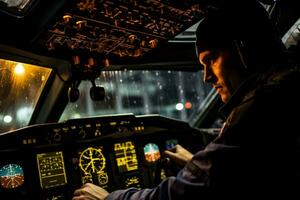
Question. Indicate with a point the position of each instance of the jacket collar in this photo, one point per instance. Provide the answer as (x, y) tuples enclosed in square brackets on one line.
[(239, 95)]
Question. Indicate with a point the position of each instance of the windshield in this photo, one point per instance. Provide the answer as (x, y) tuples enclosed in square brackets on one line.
[(174, 94), (20, 88)]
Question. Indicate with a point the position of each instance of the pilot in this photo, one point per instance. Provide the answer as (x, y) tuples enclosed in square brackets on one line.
[(256, 154)]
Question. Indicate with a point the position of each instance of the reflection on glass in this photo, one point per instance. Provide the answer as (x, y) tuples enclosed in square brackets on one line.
[(92, 164), (142, 92), (11, 176), (151, 152), (171, 143), (20, 88), (125, 156)]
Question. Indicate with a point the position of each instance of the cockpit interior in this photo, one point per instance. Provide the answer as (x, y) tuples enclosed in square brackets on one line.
[(96, 90)]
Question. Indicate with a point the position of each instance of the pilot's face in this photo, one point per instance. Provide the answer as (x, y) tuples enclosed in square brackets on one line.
[(223, 70)]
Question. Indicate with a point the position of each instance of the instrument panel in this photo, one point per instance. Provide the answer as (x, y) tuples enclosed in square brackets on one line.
[(50, 161)]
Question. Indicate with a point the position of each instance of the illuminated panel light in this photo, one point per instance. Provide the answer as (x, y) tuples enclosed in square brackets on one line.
[(126, 156), (11, 176), (51, 168), (163, 175), (179, 106), (139, 128), (151, 152), (133, 181), (171, 143), (92, 164)]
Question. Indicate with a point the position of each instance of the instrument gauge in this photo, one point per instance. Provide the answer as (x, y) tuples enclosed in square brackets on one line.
[(92, 160), (11, 176), (92, 163)]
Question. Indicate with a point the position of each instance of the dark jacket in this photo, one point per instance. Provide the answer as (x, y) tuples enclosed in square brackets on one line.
[(256, 154)]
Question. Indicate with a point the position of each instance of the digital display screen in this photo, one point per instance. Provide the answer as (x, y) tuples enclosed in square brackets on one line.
[(151, 152), (133, 181), (125, 156), (11, 176), (51, 169), (92, 164)]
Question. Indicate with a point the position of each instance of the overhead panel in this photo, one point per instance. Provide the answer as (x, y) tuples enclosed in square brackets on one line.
[(124, 28)]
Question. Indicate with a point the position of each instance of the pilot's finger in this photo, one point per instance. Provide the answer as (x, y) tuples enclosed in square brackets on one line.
[(175, 148), (87, 185), (77, 198), (78, 192), (170, 154), (178, 146)]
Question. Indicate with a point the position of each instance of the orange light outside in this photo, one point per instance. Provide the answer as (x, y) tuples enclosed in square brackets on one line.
[(188, 105)]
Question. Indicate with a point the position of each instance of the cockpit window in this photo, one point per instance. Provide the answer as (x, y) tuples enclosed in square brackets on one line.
[(15, 5), (175, 94), (20, 88)]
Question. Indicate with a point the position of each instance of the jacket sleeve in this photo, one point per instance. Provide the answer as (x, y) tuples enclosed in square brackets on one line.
[(193, 179)]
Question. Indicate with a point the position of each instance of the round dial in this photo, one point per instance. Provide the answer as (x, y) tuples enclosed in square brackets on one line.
[(92, 161), (151, 152), (11, 176), (103, 178)]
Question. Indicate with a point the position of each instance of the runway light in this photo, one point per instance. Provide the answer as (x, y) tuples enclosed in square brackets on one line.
[(7, 119), (188, 105), (23, 113), (179, 106)]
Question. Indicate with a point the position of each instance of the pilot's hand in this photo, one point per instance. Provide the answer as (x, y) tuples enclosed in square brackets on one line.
[(179, 155), (90, 191)]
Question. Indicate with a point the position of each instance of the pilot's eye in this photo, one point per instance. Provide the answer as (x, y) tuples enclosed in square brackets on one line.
[(209, 60)]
